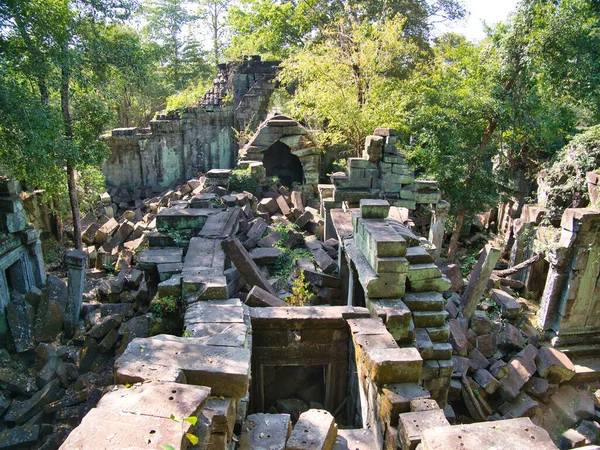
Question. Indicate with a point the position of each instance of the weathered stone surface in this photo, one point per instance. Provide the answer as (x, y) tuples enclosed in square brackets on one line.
[(20, 316), (570, 405), (221, 412), (411, 425), (354, 439), (554, 365), (129, 372), (486, 380), (20, 412), (457, 338), (19, 437), (479, 278), (396, 398), (315, 430), (265, 431), (224, 369), (264, 255), (244, 263), (513, 433), (261, 298), (511, 338), (522, 406), (508, 305), (102, 328), (156, 399), (393, 365), (374, 209), (396, 316)]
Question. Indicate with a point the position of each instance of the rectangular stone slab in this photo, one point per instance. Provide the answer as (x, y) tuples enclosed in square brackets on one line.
[(204, 252), (396, 398), (129, 372), (151, 257), (101, 431), (224, 369), (268, 431), (512, 433), (355, 439), (393, 365), (314, 316), (156, 399), (228, 334), (180, 219), (424, 301), (212, 312), (315, 430), (411, 425)]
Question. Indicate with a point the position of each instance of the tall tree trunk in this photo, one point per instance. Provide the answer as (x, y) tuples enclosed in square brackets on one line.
[(460, 220), (66, 114)]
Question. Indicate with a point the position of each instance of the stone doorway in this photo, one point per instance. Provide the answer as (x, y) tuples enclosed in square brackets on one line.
[(279, 162), (294, 384)]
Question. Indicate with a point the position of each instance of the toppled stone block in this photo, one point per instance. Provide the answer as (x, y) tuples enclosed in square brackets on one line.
[(396, 399), (411, 425), (20, 316), (265, 431), (554, 365), (260, 298), (315, 430), (508, 305), (393, 365)]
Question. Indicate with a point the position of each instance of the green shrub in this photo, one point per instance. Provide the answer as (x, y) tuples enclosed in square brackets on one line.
[(162, 306), (242, 180)]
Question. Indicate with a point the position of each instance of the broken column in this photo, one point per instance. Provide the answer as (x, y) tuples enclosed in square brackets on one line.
[(76, 263), (438, 223), (479, 278)]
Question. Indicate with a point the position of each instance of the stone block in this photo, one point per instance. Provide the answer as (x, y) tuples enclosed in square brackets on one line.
[(265, 255), (393, 365), (396, 397), (486, 380), (224, 369), (554, 365), (374, 209), (373, 150), (411, 425), (354, 439), (425, 319), (512, 433), (265, 431), (315, 430), (258, 297), (508, 305), (417, 272), (221, 412), (430, 284), (391, 265), (20, 316), (395, 314)]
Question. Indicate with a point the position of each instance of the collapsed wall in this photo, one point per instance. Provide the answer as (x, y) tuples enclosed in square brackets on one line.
[(177, 146)]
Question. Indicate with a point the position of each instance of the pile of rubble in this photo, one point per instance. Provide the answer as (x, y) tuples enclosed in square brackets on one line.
[(502, 371)]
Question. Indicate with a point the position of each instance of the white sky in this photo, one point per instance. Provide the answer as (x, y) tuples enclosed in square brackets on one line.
[(490, 11)]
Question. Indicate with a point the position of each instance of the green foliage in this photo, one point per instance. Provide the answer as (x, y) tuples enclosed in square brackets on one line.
[(180, 238), (242, 180), (301, 294), (187, 97), (109, 267), (467, 265), (285, 264), (162, 306), (53, 252), (565, 181), (352, 80)]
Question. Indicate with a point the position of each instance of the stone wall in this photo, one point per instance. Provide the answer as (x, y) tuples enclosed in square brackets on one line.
[(176, 147)]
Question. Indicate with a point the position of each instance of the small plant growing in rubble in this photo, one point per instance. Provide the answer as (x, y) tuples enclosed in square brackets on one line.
[(165, 305), (301, 293), (180, 239)]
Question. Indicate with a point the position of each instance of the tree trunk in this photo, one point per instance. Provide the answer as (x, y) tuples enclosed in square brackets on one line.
[(460, 219), (66, 114)]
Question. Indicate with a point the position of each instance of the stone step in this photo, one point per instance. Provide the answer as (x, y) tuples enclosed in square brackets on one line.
[(204, 253), (394, 313), (411, 425), (221, 225), (355, 439), (224, 369), (424, 301), (395, 399), (387, 285), (430, 284), (393, 365), (315, 430), (429, 319), (417, 272), (418, 255), (439, 334), (183, 219), (265, 431), (423, 343)]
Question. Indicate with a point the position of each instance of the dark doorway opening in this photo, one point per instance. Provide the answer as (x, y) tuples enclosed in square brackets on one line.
[(279, 162), (294, 389), (15, 278)]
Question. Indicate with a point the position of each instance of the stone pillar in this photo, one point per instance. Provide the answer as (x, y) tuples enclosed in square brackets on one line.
[(479, 279), (31, 240), (76, 264), (571, 301), (593, 180), (436, 231)]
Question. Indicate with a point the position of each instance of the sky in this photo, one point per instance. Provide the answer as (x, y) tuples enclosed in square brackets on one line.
[(490, 11)]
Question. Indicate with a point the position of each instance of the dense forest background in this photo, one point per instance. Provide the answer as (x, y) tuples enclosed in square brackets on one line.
[(481, 118)]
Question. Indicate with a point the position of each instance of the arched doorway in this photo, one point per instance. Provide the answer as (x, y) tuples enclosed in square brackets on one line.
[(279, 162)]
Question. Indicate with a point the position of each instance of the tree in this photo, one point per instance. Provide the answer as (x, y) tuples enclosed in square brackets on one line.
[(48, 44), (277, 29), (352, 80), (212, 13)]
